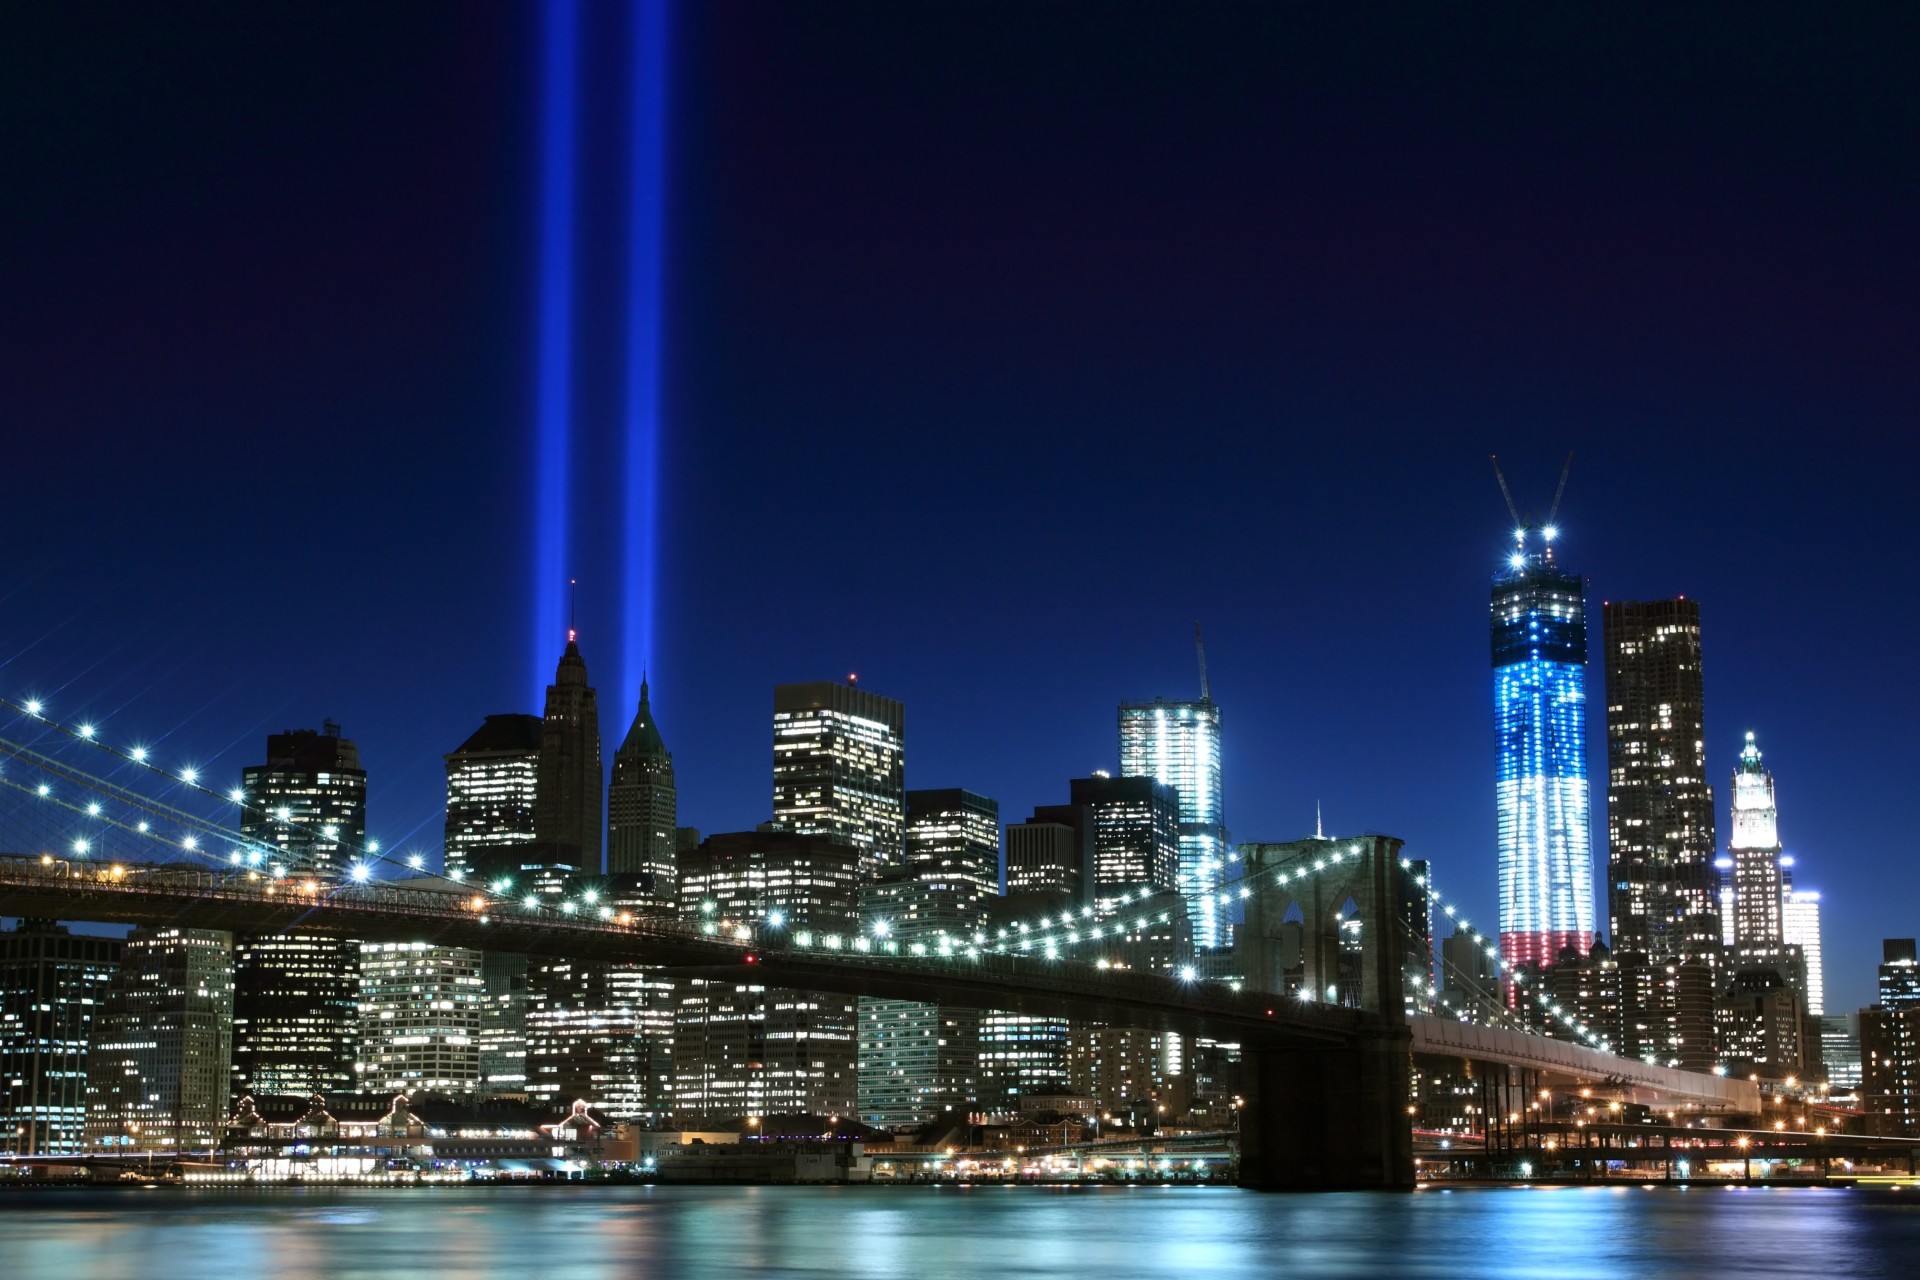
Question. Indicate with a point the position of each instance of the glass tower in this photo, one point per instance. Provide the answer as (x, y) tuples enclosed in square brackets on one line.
[(492, 781), (1539, 632), (839, 768), (1178, 743)]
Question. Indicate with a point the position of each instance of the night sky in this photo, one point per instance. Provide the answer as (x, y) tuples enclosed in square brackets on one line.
[(1002, 343)]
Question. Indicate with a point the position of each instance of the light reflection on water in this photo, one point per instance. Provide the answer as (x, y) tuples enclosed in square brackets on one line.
[(587, 1233)]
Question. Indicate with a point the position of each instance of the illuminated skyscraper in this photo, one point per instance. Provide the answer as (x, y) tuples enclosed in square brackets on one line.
[(642, 807), (839, 768), (51, 985), (1758, 890), (1660, 828), (1539, 633), (1800, 927), (1178, 743), (1137, 840), (742, 1049), (567, 810), (492, 780), (918, 1062), (296, 995), (162, 1055)]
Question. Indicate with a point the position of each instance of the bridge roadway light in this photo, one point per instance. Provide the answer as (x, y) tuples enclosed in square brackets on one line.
[(360, 873)]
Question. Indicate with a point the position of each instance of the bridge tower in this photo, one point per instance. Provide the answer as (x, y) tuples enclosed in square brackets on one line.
[(1322, 1116)]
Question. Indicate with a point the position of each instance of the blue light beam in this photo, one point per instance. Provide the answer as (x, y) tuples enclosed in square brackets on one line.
[(646, 236), (553, 444)]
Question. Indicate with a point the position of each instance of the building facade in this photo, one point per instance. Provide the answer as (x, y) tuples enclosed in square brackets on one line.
[(1178, 744), (1660, 819), (421, 1008), (1539, 646), (52, 985), (162, 1055), (642, 813), (839, 768), (1136, 837), (493, 779), (296, 996), (1759, 900)]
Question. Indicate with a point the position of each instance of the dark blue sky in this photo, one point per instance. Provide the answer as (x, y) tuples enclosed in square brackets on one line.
[(1003, 342)]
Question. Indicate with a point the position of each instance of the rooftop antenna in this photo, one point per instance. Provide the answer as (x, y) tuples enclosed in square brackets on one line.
[(1319, 827), (573, 608), (1200, 646), (1507, 493)]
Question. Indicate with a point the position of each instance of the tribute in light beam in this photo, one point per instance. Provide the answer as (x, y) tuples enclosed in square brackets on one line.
[(646, 232), (553, 444)]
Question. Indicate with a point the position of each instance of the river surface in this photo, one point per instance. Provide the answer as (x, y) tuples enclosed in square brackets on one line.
[(1080, 1233)]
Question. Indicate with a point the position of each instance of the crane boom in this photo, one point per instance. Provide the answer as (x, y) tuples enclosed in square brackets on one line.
[(1200, 646), (1555, 509), (1504, 491)]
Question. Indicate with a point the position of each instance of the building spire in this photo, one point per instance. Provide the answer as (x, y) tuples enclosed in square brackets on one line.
[(1319, 828), (1200, 646), (573, 609)]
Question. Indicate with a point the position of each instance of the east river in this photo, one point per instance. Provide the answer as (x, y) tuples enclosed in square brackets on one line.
[(1087, 1233)]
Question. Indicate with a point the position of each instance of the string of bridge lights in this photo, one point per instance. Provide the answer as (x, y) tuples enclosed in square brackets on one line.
[(361, 857), (1504, 969)]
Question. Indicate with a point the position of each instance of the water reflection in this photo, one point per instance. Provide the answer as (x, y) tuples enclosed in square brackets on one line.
[(581, 1233)]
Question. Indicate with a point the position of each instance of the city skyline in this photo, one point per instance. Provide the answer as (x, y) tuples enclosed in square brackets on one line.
[(1724, 335)]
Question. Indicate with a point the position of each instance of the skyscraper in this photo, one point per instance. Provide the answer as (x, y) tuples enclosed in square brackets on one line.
[(162, 1054), (1660, 821), (51, 986), (1539, 634), (567, 800), (839, 767), (743, 1049), (642, 809), (1051, 852), (1758, 890), (492, 781), (1178, 743), (296, 996), (1137, 845), (918, 1061), (1800, 927)]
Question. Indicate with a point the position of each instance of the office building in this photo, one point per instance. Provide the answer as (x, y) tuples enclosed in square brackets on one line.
[(296, 996), (1890, 1070), (567, 810), (741, 1049), (1539, 647), (503, 1024), (1051, 853), (1758, 888), (1136, 837), (421, 1008), (492, 781), (602, 1033), (162, 1054), (1800, 927), (919, 1062), (839, 768), (642, 810), (1660, 820), (52, 984), (1178, 744), (1899, 974)]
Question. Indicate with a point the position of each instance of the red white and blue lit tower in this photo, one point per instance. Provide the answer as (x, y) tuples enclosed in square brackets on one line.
[(1540, 709)]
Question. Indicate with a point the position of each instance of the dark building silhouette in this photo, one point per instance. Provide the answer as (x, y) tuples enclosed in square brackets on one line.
[(567, 803), (642, 809), (52, 983)]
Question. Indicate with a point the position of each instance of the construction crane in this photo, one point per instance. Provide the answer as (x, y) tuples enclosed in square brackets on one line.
[(1519, 525), (1200, 646)]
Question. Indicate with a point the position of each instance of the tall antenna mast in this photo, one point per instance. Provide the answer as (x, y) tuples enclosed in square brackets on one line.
[(1200, 646), (1506, 493)]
